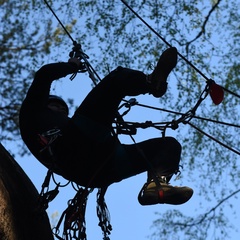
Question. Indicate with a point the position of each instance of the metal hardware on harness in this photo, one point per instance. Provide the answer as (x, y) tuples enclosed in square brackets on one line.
[(121, 126), (103, 214), (47, 196), (73, 218), (48, 137), (186, 118), (85, 66), (78, 53)]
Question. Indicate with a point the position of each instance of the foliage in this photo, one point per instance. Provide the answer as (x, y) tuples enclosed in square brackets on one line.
[(206, 34)]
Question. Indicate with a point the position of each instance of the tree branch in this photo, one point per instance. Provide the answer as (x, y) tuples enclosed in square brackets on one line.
[(204, 24), (204, 217)]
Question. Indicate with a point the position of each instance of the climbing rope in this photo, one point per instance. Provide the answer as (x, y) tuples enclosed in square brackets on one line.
[(168, 44), (185, 119)]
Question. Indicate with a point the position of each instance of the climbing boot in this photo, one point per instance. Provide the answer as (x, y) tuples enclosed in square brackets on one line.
[(162, 192), (158, 78)]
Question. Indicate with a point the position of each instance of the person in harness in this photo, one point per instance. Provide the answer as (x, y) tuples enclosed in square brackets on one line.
[(84, 149)]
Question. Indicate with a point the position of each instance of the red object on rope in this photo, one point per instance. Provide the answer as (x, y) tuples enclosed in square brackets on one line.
[(216, 93)]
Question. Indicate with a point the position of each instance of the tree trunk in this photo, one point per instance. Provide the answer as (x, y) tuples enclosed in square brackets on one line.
[(20, 218)]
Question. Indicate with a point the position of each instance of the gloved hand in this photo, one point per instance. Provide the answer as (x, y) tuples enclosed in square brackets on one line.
[(76, 62)]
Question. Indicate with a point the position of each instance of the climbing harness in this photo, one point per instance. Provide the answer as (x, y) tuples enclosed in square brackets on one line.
[(73, 218), (48, 137)]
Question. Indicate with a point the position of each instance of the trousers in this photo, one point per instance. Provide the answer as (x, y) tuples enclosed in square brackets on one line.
[(114, 161)]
